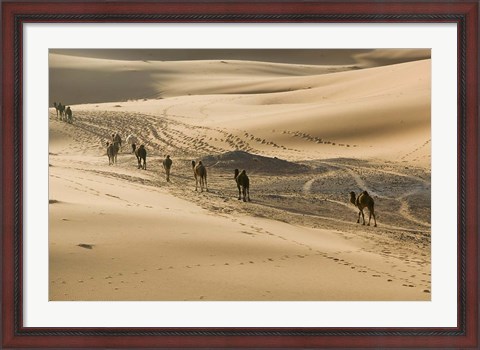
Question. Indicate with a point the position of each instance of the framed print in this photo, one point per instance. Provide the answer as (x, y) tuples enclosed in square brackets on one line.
[(240, 174)]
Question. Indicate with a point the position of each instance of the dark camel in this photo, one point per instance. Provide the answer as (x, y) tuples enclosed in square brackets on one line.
[(60, 109), (68, 115), (364, 201), (167, 164), (141, 154), (243, 183)]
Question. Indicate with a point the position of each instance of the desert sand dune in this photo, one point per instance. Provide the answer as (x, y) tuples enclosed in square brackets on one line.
[(384, 57), (307, 136), (157, 79), (385, 111)]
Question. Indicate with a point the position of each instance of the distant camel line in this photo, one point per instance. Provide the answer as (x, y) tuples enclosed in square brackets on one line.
[(364, 200)]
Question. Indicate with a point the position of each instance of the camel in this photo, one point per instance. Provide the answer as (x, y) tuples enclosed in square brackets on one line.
[(68, 115), (116, 138), (200, 174), (112, 151), (167, 164), (364, 200), (141, 153), (59, 108), (243, 182)]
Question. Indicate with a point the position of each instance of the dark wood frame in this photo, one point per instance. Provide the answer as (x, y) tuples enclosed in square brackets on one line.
[(462, 12)]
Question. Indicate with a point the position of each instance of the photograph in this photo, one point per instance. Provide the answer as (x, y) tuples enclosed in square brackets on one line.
[(270, 174), (239, 174)]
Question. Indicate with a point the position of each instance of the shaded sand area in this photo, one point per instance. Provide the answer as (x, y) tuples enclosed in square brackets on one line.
[(307, 136)]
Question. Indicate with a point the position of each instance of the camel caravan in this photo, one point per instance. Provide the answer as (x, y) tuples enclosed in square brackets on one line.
[(362, 201), (64, 113), (116, 146)]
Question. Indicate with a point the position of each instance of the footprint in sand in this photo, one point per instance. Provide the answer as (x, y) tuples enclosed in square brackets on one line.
[(248, 233), (86, 246)]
